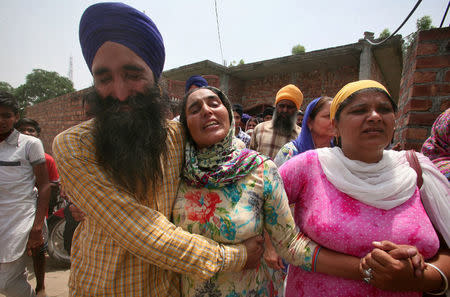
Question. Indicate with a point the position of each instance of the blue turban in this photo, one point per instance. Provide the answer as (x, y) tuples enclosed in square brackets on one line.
[(195, 80), (304, 141), (245, 118), (120, 23)]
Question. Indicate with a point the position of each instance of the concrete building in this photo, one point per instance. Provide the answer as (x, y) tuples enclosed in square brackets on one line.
[(420, 82)]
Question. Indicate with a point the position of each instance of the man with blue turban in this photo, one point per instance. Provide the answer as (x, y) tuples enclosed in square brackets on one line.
[(122, 169), (195, 81)]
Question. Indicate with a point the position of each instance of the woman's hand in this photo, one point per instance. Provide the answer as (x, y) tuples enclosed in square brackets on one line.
[(402, 252), (270, 255), (392, 267), (272, 259)]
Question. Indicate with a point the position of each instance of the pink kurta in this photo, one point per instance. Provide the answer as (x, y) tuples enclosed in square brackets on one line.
[(341, 223)]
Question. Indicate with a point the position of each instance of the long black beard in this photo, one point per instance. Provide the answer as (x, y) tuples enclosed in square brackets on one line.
[(130, 139), (284, 125)]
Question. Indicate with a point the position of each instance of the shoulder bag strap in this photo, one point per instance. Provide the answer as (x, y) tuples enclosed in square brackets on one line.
[(414, 163)]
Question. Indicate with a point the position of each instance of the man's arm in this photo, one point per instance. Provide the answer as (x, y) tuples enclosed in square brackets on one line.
[(140, 230), (253, 143), (35, 239)]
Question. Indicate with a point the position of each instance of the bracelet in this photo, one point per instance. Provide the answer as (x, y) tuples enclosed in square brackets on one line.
[(314, 259), (222, 254), (444, 278)]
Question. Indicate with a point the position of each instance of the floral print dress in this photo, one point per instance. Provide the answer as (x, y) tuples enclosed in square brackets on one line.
[(285, 153), (234, 213)]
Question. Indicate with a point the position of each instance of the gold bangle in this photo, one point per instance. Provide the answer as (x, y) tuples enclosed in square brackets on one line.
[(443, 277)]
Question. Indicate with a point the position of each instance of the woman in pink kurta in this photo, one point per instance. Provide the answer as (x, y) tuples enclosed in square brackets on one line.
[(346, 198), (335, 220)]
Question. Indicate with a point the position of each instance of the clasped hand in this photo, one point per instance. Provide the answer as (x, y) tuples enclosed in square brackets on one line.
[(392, 267)]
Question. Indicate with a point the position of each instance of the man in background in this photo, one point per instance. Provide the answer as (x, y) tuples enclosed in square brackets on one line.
[(193, 82), (269, 136), (267, 113), (300, 116), (31, 127), (22, 209), (237, 114)]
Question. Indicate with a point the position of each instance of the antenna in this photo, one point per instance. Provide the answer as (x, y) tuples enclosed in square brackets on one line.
[(70, 73)]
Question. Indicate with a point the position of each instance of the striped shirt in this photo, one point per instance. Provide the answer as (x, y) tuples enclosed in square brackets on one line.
[(267, 141), (244, 137), (126, 247)]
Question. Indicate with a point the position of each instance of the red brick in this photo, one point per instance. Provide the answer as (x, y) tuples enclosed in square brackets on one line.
[(416, 133), (447, 76), (433, 62), (435, 34), (443, 89), (422, 118), (431, 90), (423, 90), (423, 77), (444, 105), (418, 105), (427, 49)]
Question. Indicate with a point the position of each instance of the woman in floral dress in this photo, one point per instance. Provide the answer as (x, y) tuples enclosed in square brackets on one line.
[(437, 146), (229, 195)]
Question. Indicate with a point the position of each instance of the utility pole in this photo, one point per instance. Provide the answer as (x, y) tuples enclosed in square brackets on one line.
[(70, 73)]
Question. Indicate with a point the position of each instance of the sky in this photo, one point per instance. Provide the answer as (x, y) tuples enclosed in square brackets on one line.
[(44, 34)]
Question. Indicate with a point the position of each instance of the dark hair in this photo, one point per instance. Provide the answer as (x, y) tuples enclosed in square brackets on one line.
[(352, 97), (28, 122), (216, 91), (88, 102), (319, 106), (252, 119), (300, 113), (239, 109), (174, 106), (8, 100), (130, 145), (268, 111)]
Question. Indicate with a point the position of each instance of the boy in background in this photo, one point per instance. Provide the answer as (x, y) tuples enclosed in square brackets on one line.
[(22, 212)]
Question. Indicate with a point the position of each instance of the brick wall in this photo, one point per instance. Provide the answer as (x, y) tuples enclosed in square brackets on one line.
[(175, 88), (375, 72), (425, 87), (58, 114), (312, 84), (236, 90), (424, 90)]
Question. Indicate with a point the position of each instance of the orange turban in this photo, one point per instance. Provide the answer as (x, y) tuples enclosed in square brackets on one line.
[(291, 93)]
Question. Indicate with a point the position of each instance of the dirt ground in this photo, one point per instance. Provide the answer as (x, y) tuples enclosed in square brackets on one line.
[(56, 278)]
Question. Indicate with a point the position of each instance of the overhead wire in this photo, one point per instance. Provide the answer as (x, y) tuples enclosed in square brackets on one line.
[(445, 14), (407, 18), (218, 31)]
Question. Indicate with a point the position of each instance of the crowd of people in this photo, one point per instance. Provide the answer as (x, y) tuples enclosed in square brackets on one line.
[(202, 199)]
